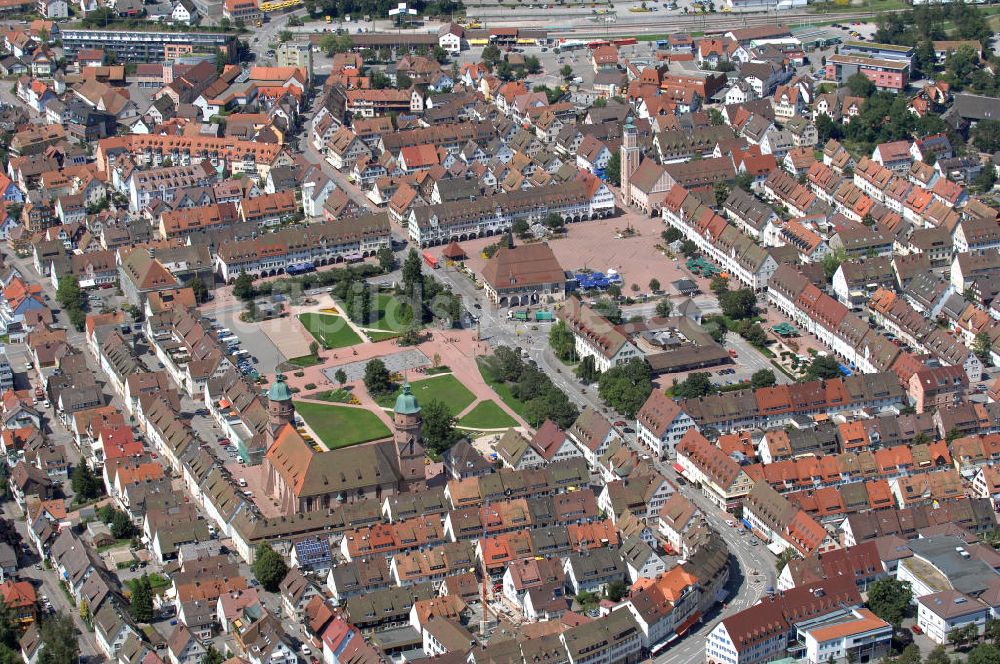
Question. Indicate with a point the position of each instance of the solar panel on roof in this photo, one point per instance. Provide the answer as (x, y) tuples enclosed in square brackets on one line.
[(312, 550)]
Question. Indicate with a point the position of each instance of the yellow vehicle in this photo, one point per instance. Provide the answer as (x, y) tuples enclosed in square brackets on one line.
[(329, 20), (260, 24), (475, 23)]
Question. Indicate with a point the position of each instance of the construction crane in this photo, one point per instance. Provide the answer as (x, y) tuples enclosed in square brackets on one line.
[(486, 616)]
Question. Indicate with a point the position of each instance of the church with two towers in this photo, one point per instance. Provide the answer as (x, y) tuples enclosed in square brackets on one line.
[(304, 480)]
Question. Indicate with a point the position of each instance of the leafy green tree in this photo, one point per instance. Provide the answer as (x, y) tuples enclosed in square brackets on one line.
[(200, 291), (616, 590), (697, 384), (60, 643), (562, 341), (889, 599), (520, 227), (141, 602), (762, 378), (377, 378), (412, 276), (566, 72), (715, 117), (984, 653), (910, 655), (121, 526), (986, 135), (826, 128), (333, 43), (587, 370), (212, 656), (719, 284), (439, 54), (491, 56), (738, 304), (938, 656), (860, 86), (243, 287), (689, 248), (285, 36), (654, 285), (755, 334), (613, 169), (985, 180), (86, 485), (981, 347), (341, 377), (386, 259), (403, 81), (10, 633), (671, 235), (831, 263), (269, 568), (626, 387), (663, 308), (361, 303), (744, 180), (69, 294), (823, 367), (721, 192), (438, 427), (785, 557)]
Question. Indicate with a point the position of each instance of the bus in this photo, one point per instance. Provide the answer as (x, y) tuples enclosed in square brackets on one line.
[(625, 41), (598, 43), (430, 260), (300, 268)]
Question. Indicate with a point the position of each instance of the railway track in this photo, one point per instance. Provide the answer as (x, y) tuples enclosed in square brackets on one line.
[(707, 23)]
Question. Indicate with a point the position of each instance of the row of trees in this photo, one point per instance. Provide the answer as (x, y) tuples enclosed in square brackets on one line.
[(73, 300), (699, 384), (542, 399), (626, 387), (426, 294)]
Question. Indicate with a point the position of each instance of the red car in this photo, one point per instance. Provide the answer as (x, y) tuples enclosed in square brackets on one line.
[(620, 423), (916, 629)]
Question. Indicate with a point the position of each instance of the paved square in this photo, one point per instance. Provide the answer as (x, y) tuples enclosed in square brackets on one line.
[(406, 360)]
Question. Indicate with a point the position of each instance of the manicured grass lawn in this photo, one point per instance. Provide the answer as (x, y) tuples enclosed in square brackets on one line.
[(487, 415), (391, 314), (502, 390), (329, 330), (446, 389), (341, 426), (380, 336)]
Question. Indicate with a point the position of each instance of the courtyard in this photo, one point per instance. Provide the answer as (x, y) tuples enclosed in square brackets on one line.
[(341, 426)]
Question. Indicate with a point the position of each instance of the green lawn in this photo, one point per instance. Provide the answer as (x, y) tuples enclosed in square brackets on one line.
[(502, 390), (341, 426), (446, 389), (390, 313), (487, 415), (329, 330)]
